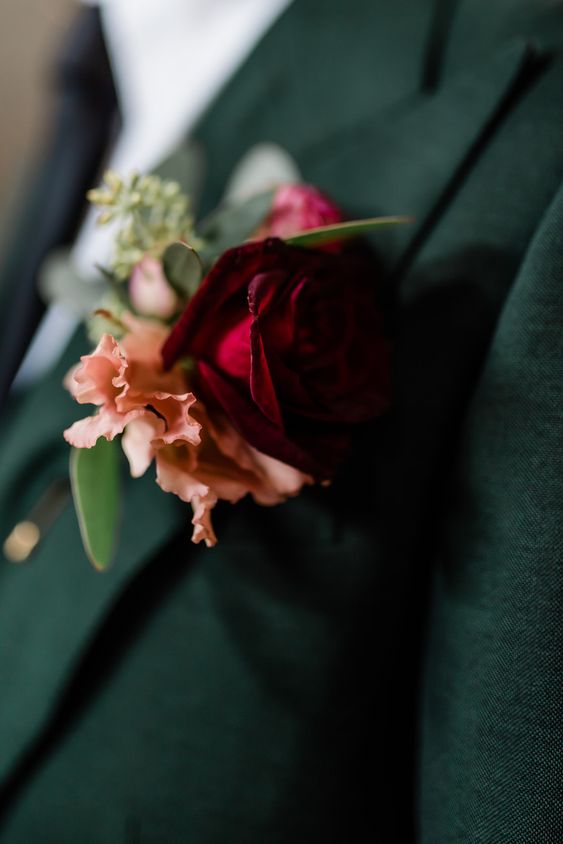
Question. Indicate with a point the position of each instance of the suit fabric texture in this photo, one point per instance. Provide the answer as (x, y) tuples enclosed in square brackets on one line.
[(380, 659)]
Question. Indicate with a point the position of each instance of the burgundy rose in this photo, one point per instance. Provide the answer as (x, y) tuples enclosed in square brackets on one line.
[(289, 343)]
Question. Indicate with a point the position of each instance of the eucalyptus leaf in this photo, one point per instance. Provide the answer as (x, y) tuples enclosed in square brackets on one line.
[(183, 268), (342, 231), (264, 166), (94, 478), (233, 223), (60, 283)]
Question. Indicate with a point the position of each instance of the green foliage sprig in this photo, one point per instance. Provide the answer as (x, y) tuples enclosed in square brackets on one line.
[(150, 213)]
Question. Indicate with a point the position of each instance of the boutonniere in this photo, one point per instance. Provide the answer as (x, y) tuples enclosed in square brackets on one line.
[(236, 355)]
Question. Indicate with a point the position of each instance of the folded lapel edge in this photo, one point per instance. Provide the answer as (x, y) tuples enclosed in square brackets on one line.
[(507, 77)]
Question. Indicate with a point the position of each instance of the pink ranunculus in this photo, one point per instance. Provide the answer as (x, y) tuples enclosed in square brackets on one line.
[(297, 208), (149, 290)]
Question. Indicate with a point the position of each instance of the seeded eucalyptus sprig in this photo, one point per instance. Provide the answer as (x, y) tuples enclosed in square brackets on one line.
[(150, 213)]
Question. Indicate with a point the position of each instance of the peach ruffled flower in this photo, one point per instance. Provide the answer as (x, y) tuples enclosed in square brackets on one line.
[(126, 381), (223, 466), (198, 458)]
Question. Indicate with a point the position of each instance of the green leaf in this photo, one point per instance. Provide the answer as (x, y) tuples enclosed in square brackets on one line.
[(183, 268), (59, 282), (94, 478), (233, 223), (342, 231), (262, 167)]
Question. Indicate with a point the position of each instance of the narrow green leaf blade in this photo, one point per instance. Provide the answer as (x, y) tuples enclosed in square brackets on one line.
[(182, 267), (94, 478), (342, 231)]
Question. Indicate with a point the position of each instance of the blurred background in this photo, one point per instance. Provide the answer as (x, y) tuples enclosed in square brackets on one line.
[(30, 33)]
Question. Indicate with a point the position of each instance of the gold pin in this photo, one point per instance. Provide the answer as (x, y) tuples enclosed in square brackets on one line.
[(26, 535), (21, 542)]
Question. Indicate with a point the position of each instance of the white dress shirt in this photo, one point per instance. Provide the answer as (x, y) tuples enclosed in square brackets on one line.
[(170, 59)]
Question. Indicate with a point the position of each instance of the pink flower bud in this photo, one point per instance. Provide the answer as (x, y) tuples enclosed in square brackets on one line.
[(297, 208), (149, 290)]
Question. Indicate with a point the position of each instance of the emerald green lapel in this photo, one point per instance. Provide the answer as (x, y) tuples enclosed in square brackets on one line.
[(491, 716), (51, 605), (412, 158), (450, 273), (297, 89)]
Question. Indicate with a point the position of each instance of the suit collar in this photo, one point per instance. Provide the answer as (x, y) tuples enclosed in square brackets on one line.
[(413, 157), (298, 87)]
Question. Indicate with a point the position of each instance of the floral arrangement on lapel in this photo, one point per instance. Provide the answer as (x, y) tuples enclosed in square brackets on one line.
[(238, 355)]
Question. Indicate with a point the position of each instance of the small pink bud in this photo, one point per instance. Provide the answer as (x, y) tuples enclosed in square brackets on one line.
[(298, 207), (149, 290)]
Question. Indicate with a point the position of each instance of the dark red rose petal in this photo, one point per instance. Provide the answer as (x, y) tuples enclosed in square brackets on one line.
[(289, 344)]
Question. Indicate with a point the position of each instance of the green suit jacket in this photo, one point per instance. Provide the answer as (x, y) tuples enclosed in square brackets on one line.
[(380, 659)]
